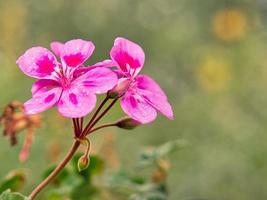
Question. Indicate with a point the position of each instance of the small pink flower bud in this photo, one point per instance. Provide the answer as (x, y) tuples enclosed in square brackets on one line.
[(119, 89), (127, 123), (83, 163)]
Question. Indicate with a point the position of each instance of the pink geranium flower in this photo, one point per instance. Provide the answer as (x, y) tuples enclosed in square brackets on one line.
[(58, 83), (142, 96)]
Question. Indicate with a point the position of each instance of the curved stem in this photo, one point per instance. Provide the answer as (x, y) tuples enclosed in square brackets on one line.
[(58, 169), (103, 126)]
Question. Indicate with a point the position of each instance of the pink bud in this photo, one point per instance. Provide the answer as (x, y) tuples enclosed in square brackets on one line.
[(120, 88)]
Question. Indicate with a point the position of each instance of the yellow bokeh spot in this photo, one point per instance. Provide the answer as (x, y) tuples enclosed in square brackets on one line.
[(229, 24), (213, 74), (12, 25)]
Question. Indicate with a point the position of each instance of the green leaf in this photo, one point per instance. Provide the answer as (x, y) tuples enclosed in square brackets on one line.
[(8, 195), (62, 176), (14, 181)]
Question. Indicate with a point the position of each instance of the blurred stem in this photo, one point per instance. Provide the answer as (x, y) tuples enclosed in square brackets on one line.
[(58, 169)]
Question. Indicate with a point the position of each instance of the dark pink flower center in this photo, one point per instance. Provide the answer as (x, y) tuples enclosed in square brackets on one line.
[(46, 65), (73, 60)]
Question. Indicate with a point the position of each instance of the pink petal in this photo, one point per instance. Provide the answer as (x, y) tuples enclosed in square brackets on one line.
[(42, 101), (37, 62), (129, 56), (137, 108), (97, 80), (82, 70), (57, 47), (43, 85), (105, 63), (154, 95), (76, 52), (75, 103)]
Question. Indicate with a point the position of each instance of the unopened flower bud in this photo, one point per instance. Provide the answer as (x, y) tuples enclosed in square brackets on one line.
[(119, 89), (127, 123), (83, 163)]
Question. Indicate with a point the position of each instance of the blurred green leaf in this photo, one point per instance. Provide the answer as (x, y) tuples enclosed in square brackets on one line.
[(60, 177), (14, 181), (151, 156), (8, 195)]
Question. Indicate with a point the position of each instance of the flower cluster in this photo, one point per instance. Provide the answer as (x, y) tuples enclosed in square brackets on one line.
[(69, 85)]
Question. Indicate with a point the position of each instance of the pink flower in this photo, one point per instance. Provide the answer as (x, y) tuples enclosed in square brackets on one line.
[(142, 96), (58, 83)]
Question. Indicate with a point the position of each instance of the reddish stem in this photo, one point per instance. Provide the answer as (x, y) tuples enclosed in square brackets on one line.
[(58, 169), (86, 132), (87, 128), (103, 126)]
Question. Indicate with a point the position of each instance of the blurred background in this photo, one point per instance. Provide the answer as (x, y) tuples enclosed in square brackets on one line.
[(210, 58)]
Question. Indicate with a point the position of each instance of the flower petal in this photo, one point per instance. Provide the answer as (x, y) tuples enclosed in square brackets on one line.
[(43, 101), (82, 70), (75, 103), (37, 62), (76, 52), (137, 108), (97, 80), (43, 85), (129, 56), (154, 95), (105, 63), (57, 47)]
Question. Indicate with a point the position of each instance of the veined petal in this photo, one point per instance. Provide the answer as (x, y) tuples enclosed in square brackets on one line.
[(76, 103), (129, 56), (105, 63), (43, 85), (76, 52), (97, 80), (57, 47), (137, 108), (154, 95), (43, 101), (37, 62)]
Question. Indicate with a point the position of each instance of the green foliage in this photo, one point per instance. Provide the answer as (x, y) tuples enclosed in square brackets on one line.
[(152, 155), (14, 181), (119, 184), (8, 195)]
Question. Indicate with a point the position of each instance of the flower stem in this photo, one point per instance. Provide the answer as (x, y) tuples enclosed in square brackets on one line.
[(103, 126), (58, 169), (87, 128), (91, 125), (76, 127)]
